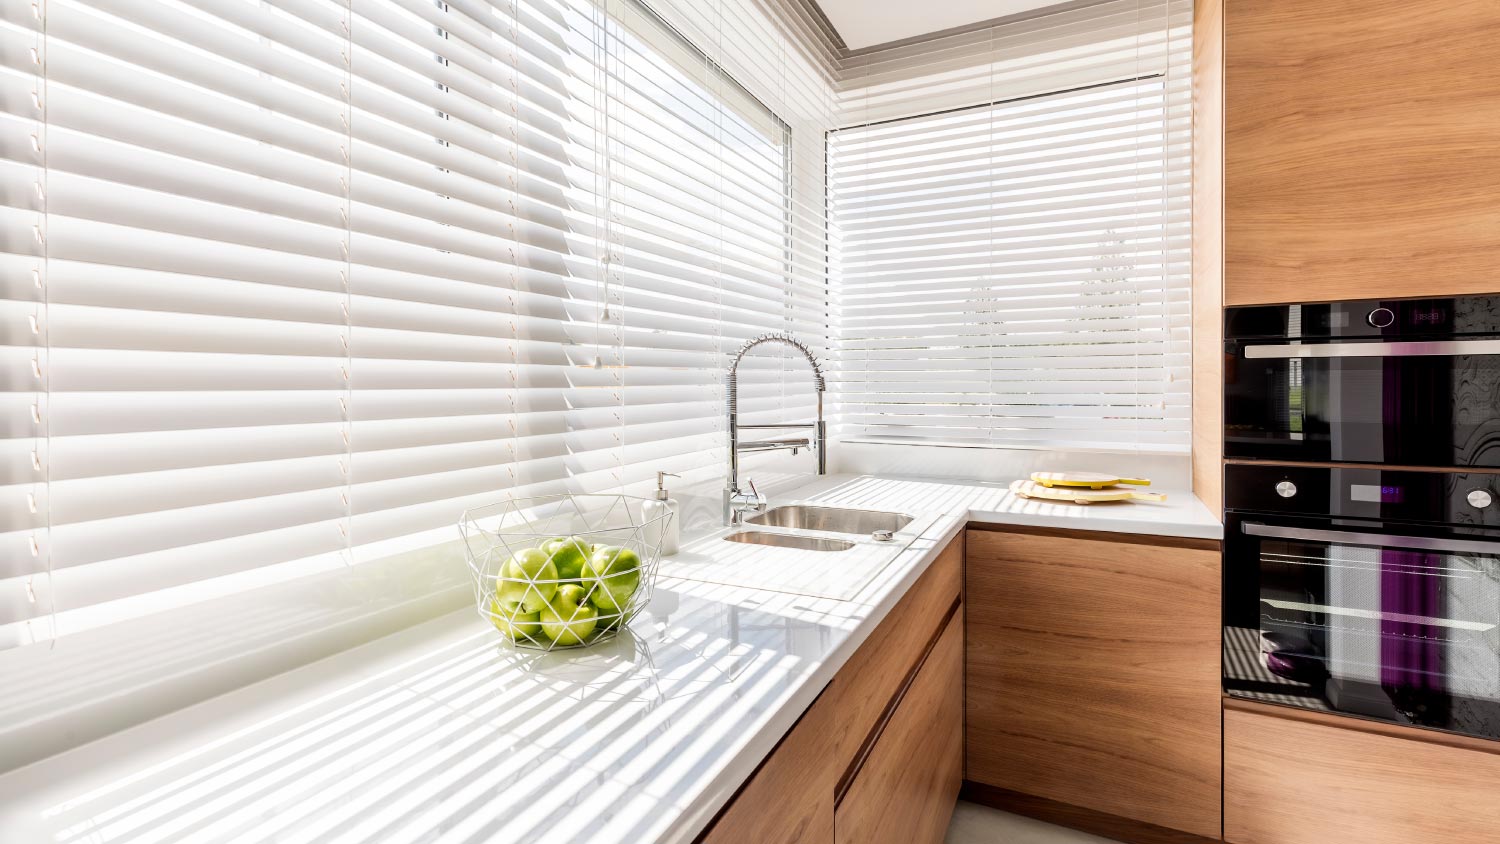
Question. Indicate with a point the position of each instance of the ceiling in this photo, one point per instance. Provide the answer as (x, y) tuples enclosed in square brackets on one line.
[(864, 23)]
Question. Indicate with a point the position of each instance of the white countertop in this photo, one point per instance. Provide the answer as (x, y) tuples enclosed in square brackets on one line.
[(1181, 515), (440, 733)]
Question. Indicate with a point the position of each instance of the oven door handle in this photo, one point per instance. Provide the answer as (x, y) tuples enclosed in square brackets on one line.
[(1415, 348), (1416, 543)]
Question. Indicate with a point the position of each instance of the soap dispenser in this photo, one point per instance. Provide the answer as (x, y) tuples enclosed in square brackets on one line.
[(666, 532)]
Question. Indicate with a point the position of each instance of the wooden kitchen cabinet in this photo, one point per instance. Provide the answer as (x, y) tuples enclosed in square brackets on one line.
[(1093, 674), (1305, 778), (905, 789), (789, 800), (888, 695), (1360, 149), (866, 684)]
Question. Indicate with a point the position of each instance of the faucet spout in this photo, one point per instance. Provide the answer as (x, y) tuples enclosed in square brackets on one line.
[(737, 503)]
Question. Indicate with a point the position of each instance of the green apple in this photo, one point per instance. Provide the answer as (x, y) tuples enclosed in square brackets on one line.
[(610, 619), (515, 622), (567, 620), (528, 578), (568, 553), (615, 574)]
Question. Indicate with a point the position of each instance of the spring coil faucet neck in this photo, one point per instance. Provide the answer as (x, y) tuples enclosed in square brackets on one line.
[(737, 503)]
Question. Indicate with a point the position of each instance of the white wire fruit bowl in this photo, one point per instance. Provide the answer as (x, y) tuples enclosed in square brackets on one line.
[(562, 571)]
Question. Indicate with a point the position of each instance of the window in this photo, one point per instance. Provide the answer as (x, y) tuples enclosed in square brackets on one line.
[(1015, 273), (287, 288)]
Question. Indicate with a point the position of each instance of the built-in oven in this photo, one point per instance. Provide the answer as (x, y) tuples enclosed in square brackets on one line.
[(1366, 592), (1401, 383)]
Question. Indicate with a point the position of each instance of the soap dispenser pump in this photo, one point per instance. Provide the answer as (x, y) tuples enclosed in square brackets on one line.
[(667, 531)]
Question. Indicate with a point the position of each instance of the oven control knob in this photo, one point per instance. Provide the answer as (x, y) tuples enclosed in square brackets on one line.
[(1381, 318), (1286, 489), (1480, 498)]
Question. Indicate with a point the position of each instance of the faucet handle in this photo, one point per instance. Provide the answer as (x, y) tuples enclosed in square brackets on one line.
[(737, 504)]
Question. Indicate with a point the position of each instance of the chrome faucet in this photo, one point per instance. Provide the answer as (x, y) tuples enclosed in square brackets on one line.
[(736, 502)]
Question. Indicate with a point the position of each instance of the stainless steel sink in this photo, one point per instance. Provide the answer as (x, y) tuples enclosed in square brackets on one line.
[(781, 540), (834, 519)]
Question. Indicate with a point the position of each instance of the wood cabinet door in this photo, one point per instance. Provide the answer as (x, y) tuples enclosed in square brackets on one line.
[(1361, 153), (908, 785), (789, 800), (1292, 780), (866, 684), (1093, 674)]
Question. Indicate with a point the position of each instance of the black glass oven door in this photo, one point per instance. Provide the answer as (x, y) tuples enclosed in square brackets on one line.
[(1365, 619), (1421, 403)]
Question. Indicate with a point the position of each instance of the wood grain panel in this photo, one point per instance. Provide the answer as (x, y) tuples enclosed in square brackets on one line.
[(1093, 675), (876, 672), (1208, 253), (789, 799), (1291, 781), (1360, 150), (1364, 725), (906, 789)]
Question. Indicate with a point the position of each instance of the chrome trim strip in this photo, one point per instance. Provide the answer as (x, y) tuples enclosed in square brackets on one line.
[(1375, 615), (1419, 543), (1407, 349)]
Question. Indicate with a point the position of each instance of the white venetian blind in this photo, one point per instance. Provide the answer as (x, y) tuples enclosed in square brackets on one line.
[(700, 227), (286, 282), (1013, 269)]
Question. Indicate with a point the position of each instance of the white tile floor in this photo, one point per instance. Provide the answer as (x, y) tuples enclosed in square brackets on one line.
[(974, 824)]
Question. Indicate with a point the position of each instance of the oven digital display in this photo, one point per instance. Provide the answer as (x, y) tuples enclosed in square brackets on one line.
[(1376, 494)]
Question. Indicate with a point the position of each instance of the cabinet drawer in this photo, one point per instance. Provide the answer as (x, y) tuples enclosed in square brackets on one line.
[(905, 791), (865, 685), (1292, 780)]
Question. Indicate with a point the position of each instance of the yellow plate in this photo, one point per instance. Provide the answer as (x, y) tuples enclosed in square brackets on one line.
[(1031, 489), (1092, 480)]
